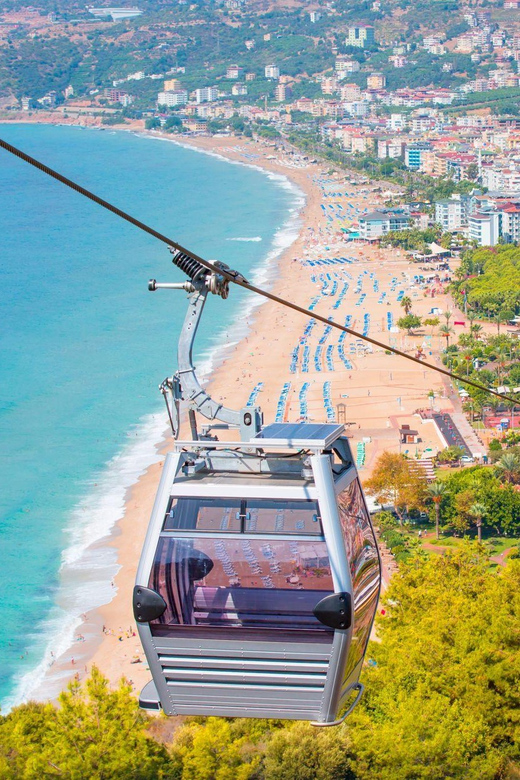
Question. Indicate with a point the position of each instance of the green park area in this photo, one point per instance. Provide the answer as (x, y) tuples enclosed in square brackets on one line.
[(479, 503)]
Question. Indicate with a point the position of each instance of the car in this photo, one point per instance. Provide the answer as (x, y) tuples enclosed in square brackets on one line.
[(467, 459)]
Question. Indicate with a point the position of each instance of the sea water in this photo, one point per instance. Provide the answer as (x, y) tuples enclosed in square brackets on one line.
[(83, 346)]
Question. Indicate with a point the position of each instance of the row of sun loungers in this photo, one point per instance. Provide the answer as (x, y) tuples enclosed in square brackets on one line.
[(341, 351), (254, 394), (342, 294), (303, 400), (282, 402), (329, 409)]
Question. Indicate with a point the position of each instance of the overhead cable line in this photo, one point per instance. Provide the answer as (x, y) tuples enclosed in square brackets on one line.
[(237, 278)]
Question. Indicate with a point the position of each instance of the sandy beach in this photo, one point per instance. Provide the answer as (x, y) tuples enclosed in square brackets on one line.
[(377, 392)]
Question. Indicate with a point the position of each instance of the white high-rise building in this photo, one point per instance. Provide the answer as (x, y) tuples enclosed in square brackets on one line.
[(206, 94), (177, 97), (272, 72)]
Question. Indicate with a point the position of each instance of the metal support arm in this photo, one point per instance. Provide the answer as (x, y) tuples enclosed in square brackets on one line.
[(191, 390), (184, 385)]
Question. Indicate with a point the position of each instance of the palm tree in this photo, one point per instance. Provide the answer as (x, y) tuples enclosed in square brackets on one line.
[(501, 357), (406, 303), (476, 330), (478, 511), (447, 316), (509, 466), (446, 331), (468, 357), (436, 491), (500, 317)]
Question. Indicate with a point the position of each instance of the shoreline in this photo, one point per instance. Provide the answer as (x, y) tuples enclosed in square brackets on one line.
[(110, 639)]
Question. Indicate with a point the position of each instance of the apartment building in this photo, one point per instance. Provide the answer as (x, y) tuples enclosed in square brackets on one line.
[(172, 85), (376, 224), (376, 81), (414, 154), (484, 228), (344, 66), (349, 92), (234, 72), (206, 94), (453, 213), (360, 36), (176, 97), (272, 72), (329, 86), (389, 147)]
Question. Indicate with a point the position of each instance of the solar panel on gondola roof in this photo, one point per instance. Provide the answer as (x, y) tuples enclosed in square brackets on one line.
[(320, 435)]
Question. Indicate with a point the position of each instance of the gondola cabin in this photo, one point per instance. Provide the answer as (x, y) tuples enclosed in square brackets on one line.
[(259, 578)]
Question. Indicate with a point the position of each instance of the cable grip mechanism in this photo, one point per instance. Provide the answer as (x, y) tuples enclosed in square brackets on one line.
[(216, 283)]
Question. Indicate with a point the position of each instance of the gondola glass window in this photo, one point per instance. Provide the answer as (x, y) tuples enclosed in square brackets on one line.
[(214, 580), (363, 556), (241, 516)]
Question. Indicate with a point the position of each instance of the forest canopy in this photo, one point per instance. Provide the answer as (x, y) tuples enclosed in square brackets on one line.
[(491, 279), (442, 701)]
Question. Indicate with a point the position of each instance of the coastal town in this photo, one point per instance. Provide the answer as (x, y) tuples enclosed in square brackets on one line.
[(353, 110), (399, 140)]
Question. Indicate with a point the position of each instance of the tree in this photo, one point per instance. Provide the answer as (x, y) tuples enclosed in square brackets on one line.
[(489, 280), (95, 733), (436, 491), (173, 124), (450, 454), (464, 500), (508, 467), (432, 322), (504, 315), (307, 753), (442, 694), (220, 749), (478, 510), (446, 332), (406, 303), (445, 241), (472, 171), (395, 481), (480, 484), (447, 316), (152, 124), (409, 322)]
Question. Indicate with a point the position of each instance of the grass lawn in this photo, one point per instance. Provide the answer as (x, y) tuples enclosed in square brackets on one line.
[(497, 544), (494, 545)]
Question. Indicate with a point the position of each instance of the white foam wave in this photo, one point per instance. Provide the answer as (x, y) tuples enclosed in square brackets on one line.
[(254, 238)]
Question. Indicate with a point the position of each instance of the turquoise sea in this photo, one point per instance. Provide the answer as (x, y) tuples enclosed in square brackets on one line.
[(83, 346)]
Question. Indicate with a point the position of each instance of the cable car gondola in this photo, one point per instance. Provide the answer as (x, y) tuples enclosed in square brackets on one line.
[(260, 574)]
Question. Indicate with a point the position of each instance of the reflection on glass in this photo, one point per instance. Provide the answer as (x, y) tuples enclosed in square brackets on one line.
[(213, 514), (240, 583), (251, 516), (363, 558)]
